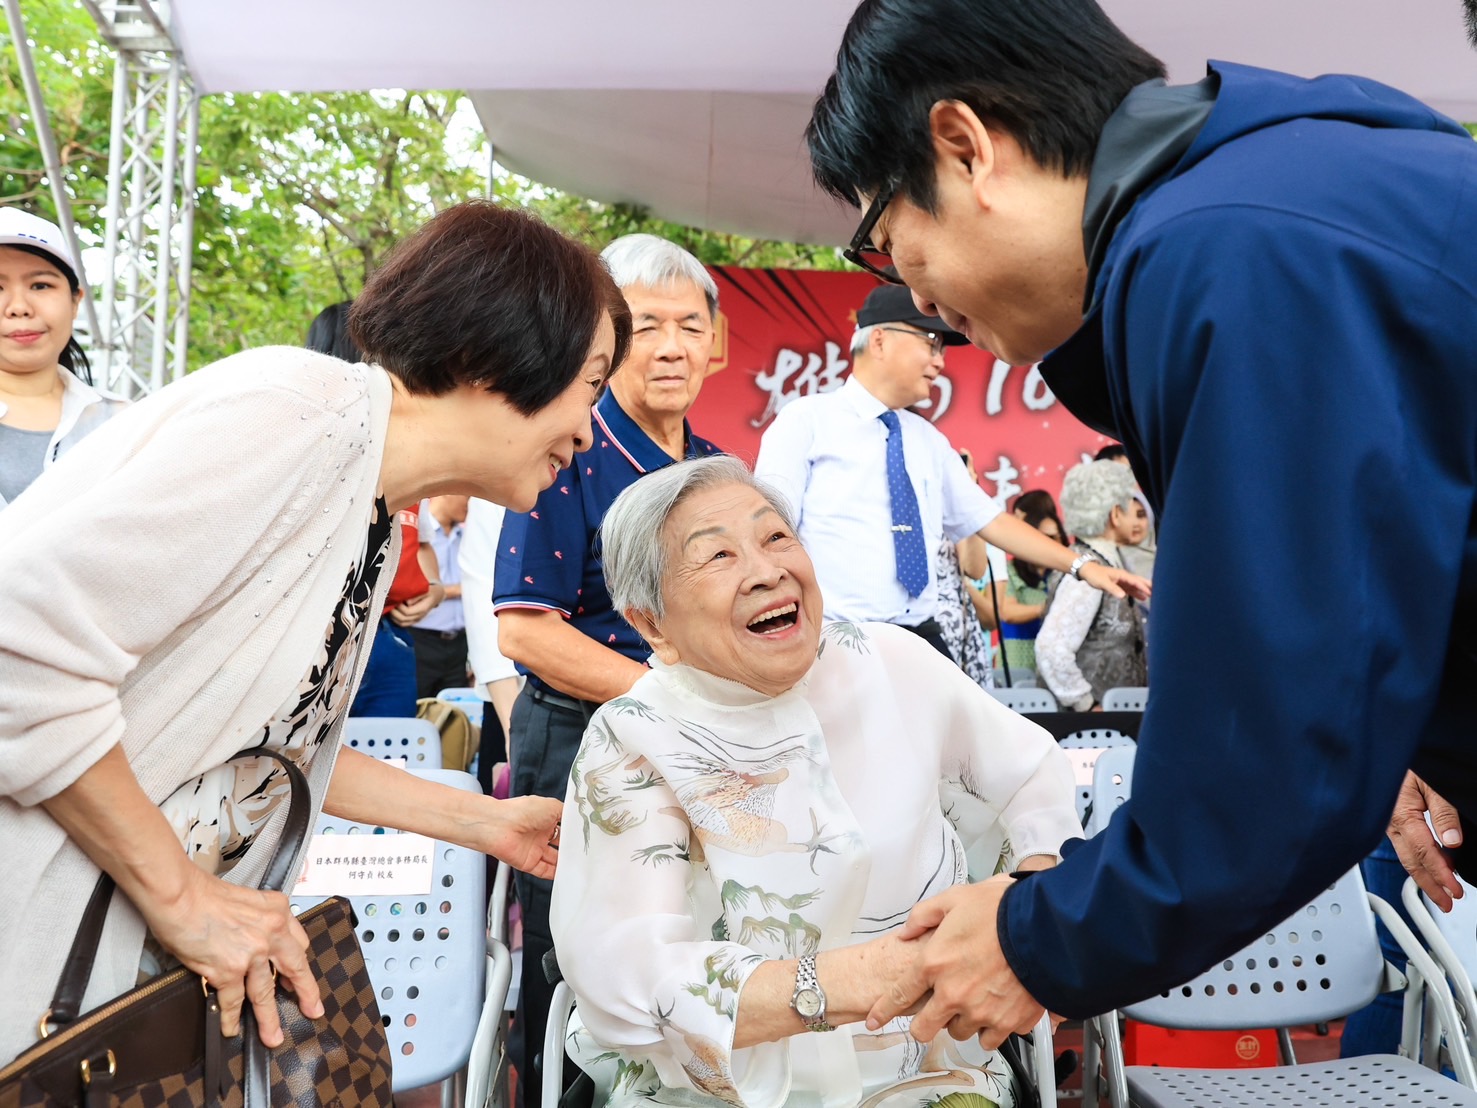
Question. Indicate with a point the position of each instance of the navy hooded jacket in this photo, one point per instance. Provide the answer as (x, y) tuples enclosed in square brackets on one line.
[(1283, 332)]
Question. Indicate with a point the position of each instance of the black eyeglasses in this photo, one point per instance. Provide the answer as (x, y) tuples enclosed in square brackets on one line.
[(933, 338), (861, 252)]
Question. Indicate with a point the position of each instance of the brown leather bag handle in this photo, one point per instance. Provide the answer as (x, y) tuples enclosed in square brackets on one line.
[(67, 1003)]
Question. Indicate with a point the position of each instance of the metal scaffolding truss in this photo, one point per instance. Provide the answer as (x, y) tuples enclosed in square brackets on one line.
[(141, 323), (144, 307)]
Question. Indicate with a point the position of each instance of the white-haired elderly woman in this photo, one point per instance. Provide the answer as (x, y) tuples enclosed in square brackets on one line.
[(1091, 642), (747, 831)]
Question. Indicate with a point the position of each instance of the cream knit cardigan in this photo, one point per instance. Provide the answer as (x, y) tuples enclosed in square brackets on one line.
[(167, 585)]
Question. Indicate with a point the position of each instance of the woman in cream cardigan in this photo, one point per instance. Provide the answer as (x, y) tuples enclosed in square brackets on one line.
[(197, 576)]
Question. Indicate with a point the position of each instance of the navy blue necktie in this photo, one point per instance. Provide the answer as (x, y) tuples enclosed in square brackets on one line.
[(913, 568)]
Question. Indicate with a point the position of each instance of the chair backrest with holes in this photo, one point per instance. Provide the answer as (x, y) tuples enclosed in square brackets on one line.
[(1112, 782), (1320, 963), (1126, 698), (1025, 701), (416, 741), (426, 953), (1084, 749)]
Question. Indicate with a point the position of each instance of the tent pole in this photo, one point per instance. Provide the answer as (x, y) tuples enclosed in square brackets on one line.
[(52, 159)]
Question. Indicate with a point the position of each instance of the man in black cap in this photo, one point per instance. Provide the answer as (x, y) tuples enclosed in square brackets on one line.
[(876, 487)]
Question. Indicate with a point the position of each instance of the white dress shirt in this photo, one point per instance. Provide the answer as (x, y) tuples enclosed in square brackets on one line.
[(828, 455), (477, 559), (446, 616)]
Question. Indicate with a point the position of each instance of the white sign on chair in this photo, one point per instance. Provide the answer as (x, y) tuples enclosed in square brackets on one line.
[(367, 865)]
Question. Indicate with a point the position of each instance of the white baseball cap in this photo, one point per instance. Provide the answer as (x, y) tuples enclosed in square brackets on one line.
[(18, 228)]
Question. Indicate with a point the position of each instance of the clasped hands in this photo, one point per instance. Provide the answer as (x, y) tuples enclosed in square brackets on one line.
[(956, 978)]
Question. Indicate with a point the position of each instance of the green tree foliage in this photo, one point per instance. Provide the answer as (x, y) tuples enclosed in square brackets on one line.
[(76, 73), (299, 197)]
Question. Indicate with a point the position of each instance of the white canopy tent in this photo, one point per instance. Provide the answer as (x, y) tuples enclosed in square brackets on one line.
[(695, 108)]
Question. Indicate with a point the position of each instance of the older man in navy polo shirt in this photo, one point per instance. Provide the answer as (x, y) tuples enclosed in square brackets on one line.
[(555, 617)]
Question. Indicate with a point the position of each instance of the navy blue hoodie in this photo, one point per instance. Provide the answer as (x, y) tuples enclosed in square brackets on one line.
[(1282, 329)]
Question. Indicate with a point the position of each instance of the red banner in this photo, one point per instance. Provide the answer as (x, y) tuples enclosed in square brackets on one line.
[(785, 333)]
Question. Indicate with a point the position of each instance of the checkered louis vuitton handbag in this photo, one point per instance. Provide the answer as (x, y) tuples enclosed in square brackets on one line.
[(160, 1045)]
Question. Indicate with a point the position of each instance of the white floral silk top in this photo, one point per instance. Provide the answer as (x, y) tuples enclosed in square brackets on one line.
[(709, 827)]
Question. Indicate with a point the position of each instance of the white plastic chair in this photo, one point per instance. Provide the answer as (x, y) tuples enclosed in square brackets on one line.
[(427, 956), (487, 1070), (393, 739), (1126, 698), (1084, 748), (497, 927), (1321, 963), (1112, 782), (1026, 701), (487, 1066), (1452, 940)]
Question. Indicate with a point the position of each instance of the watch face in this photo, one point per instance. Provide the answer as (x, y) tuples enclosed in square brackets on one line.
[(808, 1003)]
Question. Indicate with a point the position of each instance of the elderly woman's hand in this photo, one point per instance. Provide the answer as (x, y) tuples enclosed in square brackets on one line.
[(1116, 582), (240, 941)]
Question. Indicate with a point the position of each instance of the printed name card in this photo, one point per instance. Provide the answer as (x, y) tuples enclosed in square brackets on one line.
[(1084, 761), (368, 865)]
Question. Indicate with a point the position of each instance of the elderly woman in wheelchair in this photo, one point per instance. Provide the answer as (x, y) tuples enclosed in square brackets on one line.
[(748, 829)]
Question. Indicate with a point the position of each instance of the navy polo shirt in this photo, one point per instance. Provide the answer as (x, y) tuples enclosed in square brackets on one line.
[(546, 558)]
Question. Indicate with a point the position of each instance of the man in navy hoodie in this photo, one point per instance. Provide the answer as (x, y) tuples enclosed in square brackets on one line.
[(1266, 288)]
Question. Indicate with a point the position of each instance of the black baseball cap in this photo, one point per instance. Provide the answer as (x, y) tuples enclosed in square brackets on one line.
[(894, 304)]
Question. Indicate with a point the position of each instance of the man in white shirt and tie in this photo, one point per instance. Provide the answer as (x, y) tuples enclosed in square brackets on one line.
[(876, 487)]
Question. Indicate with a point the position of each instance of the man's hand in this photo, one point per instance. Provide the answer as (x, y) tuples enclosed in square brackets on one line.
[(1116, 582), (1416, 845), (975, 992), (524, 832)]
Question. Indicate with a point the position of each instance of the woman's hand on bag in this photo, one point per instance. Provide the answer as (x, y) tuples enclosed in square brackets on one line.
[(524, 832), (239, 940)]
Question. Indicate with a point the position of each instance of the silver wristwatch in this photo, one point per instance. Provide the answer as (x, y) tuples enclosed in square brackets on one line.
[(1077, 564), (809, 999)]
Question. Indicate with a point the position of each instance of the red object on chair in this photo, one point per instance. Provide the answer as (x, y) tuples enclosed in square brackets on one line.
[(1147, 1045)]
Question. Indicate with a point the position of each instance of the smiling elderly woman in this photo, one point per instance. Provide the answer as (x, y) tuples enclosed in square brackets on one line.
[(748, 829)]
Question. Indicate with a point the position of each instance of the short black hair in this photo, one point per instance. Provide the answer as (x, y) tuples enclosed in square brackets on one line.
[(1111, 453), (72, 355), (1047, 72), (329, 333), (1034, 508), (490, 296)]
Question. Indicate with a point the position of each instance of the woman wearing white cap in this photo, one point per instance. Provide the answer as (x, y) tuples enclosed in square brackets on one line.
[(47, 398)]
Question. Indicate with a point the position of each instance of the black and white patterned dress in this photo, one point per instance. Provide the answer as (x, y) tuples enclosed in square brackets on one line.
[(219, 814)]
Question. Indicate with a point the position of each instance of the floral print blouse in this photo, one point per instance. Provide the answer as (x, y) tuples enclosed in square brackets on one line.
[(709, 827)]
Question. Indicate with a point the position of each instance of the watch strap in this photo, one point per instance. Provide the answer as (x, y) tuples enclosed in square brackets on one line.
[(806, 979)]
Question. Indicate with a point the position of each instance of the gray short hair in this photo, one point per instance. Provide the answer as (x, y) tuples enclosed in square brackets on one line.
[(859, 339), (632, 550), (1091, 491), (658, 264)]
